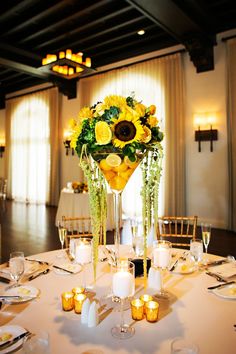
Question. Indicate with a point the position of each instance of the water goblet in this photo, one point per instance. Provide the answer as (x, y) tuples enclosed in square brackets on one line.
[(196, 251), (183, 346), (123, 287), (206, 236), (17, 266), (62, 232), (161, 260)]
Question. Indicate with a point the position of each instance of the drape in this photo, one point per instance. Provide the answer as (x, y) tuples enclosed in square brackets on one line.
[(32, 154), (231, 130), (158, 81)]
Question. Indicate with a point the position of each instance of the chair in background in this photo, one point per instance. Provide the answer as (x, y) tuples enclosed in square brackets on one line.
[(77, 227), (179, 230), (3, 188)]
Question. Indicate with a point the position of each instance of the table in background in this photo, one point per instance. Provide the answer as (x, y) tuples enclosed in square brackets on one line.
[(194, 313), (77, 205)]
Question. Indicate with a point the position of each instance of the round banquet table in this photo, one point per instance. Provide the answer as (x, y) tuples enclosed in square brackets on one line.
[(192, 312)]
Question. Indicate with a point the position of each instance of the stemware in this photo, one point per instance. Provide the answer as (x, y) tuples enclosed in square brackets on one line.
[(17, 266), (83, 254), (183, 346), (62, 232), (123, 287), (206, 236), (137, 238), (161, 260), (196, 251)]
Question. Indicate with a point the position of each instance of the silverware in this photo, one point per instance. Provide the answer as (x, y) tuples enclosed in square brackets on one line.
[(38, 274), (36, 260), (183, 257), (14, 340), (5, 280), (6, 297), (220, 285), (216, 276), (216, 263), (65, 270)]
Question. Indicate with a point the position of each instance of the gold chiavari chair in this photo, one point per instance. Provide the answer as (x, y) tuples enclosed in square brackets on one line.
[(76, 227)]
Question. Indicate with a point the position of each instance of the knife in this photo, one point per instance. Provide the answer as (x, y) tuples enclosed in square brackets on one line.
[(5, 280), (174, 265), (65, 270), (215, 263), (216, 276), (220, 285), (36, 260), (14, 340), (38, 274)]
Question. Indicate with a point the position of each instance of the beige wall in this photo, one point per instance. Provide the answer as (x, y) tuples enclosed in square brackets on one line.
[(206, 172)]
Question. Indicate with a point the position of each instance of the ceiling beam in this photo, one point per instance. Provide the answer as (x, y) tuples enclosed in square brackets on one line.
[(26, 69), (179, 25)]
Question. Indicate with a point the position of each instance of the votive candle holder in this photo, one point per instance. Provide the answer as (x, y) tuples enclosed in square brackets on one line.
[(78, 302), (145, 298), (78, 290), (152, 310), (137, 309), (67, 301)]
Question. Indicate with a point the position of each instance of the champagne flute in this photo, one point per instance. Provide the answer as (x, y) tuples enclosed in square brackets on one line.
[(17, 267), (123, 287), (62, 232), (196, 251), (137, 238), (206, 236)]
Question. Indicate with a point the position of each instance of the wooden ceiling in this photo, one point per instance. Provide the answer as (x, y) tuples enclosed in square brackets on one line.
[(106, 31)]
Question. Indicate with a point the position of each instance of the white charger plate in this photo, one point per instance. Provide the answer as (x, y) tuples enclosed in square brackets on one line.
[(183, 268), (227, 292), (75, 268), (14, 331), (26, 292)]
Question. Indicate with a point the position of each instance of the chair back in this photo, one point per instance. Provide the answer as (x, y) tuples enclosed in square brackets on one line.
[(179, 230), (76, 227), (3, 188)]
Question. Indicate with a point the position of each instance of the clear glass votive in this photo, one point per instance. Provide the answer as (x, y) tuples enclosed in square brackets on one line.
[(145, 298), (67, 301), (152, 310), (78, 302), (78, 290), (183, 346), (137, 309)]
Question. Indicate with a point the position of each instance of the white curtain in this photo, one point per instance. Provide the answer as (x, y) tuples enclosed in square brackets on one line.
[(231, 125), (29, 152), (159, 82)]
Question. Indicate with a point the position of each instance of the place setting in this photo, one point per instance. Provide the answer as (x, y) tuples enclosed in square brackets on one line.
[(12, 337)]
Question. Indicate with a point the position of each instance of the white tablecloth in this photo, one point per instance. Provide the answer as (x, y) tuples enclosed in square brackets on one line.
[(77, 204), (194, 312)]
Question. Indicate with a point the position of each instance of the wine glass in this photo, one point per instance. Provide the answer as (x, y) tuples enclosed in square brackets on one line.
[(123, 286), (183, 346), (161, 259), (83, 254), (137, 238), (196, 251), (206, 236), (62, 232), (17, 267)]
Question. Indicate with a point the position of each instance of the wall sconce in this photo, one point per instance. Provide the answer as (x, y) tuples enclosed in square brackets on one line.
[(2, 149), (67, 141), (205, 134)]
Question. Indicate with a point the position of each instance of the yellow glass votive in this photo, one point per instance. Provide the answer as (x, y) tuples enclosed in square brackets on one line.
[(78, 302), (67, 301), (145, 298), (152, 309), (78, 290), (137, 309)]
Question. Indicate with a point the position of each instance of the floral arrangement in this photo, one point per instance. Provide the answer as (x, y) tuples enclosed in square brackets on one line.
[(80, 187), (125, 128)]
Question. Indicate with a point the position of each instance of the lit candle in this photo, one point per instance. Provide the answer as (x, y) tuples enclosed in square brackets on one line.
[(44, 61), (152, 309), (83, 253), (79, 57), (161, 256), (71, 71), (78, 290), (67, 301), (123, 284), (65, 70), (88, 62), (61, 55), (78, 302), (137, 309), (68, 53), (145, 298)]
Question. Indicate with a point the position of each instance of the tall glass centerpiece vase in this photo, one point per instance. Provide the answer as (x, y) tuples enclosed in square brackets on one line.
[(111, 138)]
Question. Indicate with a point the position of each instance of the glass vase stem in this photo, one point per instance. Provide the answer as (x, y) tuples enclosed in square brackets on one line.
[(117, 215)]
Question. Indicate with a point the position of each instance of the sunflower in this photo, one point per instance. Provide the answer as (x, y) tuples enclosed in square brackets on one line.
[(127, 129), (85, 113), (114, 101)]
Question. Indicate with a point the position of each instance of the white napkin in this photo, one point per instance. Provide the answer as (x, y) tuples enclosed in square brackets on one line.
[(154, 279), (93, 315), (225, 270)]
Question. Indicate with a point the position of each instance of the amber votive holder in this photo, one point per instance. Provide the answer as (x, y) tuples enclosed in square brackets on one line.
[(152, 310), (78, 302), (67, 301), (145, 298), (78, 290), (137, 309)]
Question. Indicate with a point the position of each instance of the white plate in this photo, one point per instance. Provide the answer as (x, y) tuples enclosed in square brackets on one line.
[(227, 292), (75, 268), (183, 268), (26, 292), (14, 331)]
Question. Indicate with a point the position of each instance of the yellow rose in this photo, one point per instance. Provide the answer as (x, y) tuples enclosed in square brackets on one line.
[(140, 109), (152, 109), (147, 136), (152, 121)]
